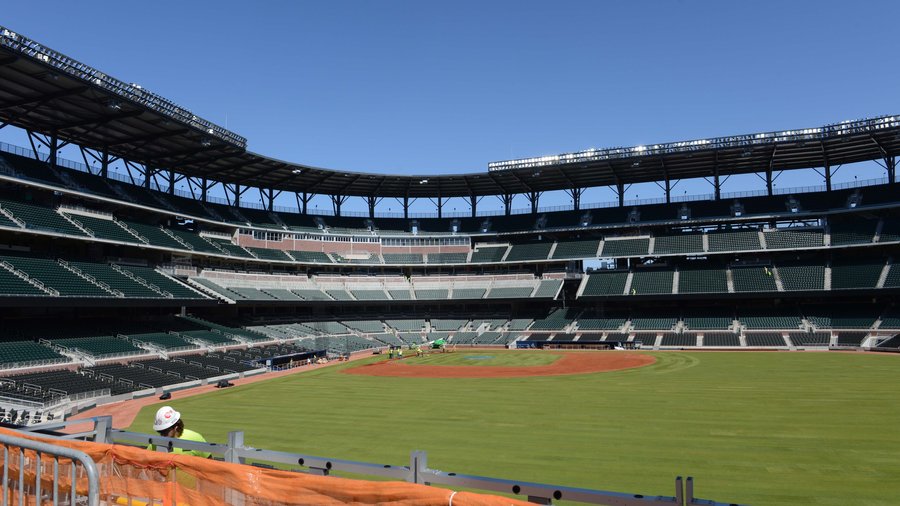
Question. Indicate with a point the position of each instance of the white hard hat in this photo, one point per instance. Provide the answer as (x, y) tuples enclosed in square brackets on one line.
[(165, 418)]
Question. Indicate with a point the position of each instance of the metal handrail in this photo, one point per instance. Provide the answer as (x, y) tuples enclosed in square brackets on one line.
[(41, 448), (235, 451)]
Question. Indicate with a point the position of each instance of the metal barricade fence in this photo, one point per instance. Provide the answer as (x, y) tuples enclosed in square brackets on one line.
[(236, 452), (39, 473)]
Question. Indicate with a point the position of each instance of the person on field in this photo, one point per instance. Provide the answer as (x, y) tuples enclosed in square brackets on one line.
[(168, 423)]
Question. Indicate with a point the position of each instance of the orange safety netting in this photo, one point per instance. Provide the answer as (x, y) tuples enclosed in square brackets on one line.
[(136, 476)]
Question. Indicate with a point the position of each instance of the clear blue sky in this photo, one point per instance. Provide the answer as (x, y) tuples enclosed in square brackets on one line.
[(440, 87)]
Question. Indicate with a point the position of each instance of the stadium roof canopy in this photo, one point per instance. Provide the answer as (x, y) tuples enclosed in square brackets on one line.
[(47, 92)]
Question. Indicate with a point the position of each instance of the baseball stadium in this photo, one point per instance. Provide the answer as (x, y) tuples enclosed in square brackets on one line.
[(740, 347)]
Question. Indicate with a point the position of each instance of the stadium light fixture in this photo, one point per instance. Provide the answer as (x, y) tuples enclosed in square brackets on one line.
[(747, 142), (424, 181), (205, 142), (297, 171), (128, 91)]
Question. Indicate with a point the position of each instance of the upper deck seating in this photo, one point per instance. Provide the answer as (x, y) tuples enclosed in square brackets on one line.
[(792, 238), (576, 249), (625, 247), (40, 218), (163, 281), (104, 228), (680, 243), (447, 258), (488, 253), (55, 276), (116, 280), (734, 240)]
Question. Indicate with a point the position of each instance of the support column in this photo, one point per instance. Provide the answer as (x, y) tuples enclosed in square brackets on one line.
[(371, 201), (620, 188), (769, 181), (575, 194), (717, 185), (440, 207), (104, 162), (668, 190), (406, 207), (827, 177), (54, 147), (171, 182), (336, 202), (473, 202), (534, 198), (148, 174), (303, 202), (203, 189), (237, 195), (507, 199), (890, 162)]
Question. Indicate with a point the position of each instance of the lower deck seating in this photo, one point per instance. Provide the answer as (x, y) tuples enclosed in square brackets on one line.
[(673, 339), (770, 320), (721, 339), (891, 342), (600, 323), (765, 339), (848, 338), (810, 338)]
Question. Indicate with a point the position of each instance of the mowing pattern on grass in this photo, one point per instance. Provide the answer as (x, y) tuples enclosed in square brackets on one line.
[(751, 428)]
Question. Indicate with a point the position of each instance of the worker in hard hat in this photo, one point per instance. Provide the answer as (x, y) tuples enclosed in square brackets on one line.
[(169, 423)]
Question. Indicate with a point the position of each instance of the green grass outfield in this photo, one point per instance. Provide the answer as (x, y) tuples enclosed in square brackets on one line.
[(759, 428)]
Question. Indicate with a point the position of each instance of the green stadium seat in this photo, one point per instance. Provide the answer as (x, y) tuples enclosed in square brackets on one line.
[(491, 254), (40, 218), (651, 282), (576, 249), (447, 258), (600, 283), (738, 240), (802, 276), (754, 279), (681, 243), (702, 280), (625, 247)]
